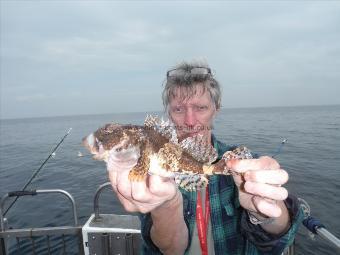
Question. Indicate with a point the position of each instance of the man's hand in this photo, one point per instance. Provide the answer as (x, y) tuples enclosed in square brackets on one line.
[(259, 182), (137, 196), (154, 194)]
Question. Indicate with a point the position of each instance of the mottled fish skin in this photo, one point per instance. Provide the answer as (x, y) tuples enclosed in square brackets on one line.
[(189, 162)]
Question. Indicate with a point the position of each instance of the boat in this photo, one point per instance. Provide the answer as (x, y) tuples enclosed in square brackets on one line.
[(107, 234)]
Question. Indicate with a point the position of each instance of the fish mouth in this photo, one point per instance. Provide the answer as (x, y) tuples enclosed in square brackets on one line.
[(90, 142)]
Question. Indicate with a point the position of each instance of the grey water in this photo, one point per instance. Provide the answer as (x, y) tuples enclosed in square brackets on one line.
[(311, 156)]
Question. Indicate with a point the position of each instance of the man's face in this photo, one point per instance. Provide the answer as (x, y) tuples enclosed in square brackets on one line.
[(192, 115)]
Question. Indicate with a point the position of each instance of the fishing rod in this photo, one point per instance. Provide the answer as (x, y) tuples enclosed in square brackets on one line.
[(38, 170)]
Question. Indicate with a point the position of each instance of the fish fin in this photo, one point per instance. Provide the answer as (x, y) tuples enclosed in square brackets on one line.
[(170, 154), (190, 182), (199, 148), (165, 128), (241, 152), (157, 167), (140, 170), (137, 174), (151, 121)]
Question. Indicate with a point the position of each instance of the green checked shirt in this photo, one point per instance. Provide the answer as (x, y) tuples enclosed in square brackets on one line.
[(231, 229)]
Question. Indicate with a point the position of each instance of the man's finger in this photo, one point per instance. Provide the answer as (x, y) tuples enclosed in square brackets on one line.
[(278, 177), (244, 165), (124, 184), (140, 192), (128, 205), (161, 186), (266, 190), (266, 207)]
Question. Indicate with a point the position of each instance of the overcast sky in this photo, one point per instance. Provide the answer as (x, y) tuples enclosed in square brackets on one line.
[(92, 57)]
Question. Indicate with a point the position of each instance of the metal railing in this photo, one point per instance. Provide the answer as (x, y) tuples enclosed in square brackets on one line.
[(63, 232), (31, 234), (314, 227), (96, 199), (111, 234)]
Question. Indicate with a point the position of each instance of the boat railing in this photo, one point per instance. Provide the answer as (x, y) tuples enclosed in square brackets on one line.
[(111, 234), (315, 227), (96, 199), (23, 236), (105, 233)]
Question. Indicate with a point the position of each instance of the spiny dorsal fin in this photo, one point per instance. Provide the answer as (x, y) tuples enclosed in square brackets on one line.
[(199, 148), (151, 121), (191, 182), (165, 128), (241, 152)]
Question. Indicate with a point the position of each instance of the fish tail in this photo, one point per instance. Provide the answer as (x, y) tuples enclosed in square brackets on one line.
[(218, 168)]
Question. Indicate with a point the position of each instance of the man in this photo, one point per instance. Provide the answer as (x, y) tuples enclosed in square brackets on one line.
[(248, 213)]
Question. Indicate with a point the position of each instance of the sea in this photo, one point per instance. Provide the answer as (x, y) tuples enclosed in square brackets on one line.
[(311, 156)]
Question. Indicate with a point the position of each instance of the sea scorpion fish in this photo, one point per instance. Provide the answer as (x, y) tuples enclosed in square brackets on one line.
[(160, 152)]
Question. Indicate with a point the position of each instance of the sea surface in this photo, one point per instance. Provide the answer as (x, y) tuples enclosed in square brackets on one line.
[(311, 156)]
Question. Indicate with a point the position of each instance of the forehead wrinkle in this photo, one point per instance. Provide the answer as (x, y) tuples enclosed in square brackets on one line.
[(185, 93)]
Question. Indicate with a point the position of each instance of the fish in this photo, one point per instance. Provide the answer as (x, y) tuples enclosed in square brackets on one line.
[(189, 160)]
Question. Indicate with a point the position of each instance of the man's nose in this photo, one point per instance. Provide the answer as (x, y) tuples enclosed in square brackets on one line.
[(190, 118)]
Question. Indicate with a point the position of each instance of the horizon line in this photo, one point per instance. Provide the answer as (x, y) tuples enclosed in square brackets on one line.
[(134, 112)]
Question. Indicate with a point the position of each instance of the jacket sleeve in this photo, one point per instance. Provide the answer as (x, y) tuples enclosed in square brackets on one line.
[(269, 243)]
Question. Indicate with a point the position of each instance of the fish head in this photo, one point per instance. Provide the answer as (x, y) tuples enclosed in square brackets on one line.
[(95, 147), (112, 137)]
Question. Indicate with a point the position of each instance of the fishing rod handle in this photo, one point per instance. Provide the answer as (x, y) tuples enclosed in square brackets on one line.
[(21, 193)]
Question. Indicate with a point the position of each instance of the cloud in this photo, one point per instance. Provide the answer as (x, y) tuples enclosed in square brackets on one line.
[(132, 42), (108, 52)]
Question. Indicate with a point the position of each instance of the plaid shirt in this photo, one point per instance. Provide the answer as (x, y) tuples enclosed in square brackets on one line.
[(232, 231)]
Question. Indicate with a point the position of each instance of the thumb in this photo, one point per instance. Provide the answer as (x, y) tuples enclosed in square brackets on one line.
[(242, 165)]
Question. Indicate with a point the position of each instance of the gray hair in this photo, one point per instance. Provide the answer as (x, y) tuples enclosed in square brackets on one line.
[(188, 84)]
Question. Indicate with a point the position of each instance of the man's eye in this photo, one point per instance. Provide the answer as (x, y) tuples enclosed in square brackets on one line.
[(201, 108), (178, 109)]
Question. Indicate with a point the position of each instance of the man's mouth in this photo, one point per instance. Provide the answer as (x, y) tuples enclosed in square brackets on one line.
[(185, 135), (192, 133)]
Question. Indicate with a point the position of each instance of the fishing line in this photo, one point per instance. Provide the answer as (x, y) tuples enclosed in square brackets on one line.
[(278, 151), (38, 170)]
